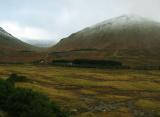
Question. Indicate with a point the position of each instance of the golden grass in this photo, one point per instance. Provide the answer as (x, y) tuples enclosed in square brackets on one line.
[(148, 104), (88, 92), (124, 112), (47, 90), (81, 88), (113, 98)]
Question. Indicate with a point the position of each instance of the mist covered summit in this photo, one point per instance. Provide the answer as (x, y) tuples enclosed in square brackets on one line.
[(128, 38)]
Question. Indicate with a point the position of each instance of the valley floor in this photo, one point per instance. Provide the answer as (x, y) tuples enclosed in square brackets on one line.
[(90, 92)]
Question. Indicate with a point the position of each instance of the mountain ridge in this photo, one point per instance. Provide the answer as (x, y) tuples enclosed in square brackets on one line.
[(113, 26), (122, 38)]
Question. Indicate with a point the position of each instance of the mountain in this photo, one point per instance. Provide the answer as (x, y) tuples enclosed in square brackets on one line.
[(12, 50), (130, 39)]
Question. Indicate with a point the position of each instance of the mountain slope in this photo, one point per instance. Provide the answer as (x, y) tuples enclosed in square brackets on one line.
[(12, 50), (9, 41), (129, 39)]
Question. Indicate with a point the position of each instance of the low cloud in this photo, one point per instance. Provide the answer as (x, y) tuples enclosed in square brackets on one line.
[(56, 19), (24, 32)]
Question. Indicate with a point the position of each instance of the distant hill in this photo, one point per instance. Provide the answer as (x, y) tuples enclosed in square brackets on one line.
[(130, 39), (12, 50)]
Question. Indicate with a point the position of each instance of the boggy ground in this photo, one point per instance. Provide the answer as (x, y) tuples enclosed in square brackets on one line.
[(90, 92)]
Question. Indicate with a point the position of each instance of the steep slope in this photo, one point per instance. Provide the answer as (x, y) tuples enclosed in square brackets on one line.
[(12, 50), (8, 41), (129, 39)]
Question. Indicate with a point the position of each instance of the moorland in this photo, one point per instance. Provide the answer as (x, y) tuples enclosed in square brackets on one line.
[(93, 92)]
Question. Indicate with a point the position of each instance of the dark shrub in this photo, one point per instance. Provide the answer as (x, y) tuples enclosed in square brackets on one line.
[(97, 63), (89, 63), (27, 103), (62, 62), (6, 89), (15, 78), (19, 102)]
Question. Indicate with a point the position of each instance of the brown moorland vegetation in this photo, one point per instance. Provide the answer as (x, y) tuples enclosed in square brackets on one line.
[(90, 92)]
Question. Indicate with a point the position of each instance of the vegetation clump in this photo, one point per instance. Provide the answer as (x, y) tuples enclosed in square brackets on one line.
[(20, 102), (16, 78), (89, 63)]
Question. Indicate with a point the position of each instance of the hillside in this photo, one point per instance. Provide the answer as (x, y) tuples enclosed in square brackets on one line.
[(12, 50), (9, 41), (129, 39)]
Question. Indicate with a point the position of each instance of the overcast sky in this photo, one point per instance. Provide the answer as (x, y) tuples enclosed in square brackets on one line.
[(55, 19)]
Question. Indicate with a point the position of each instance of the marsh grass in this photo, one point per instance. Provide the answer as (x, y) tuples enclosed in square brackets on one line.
[(82, 89)]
